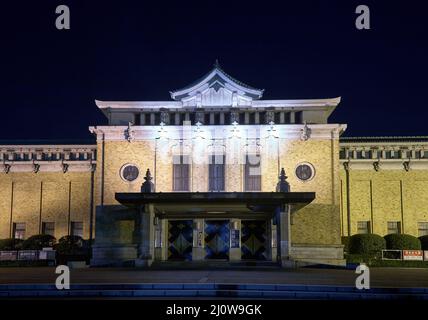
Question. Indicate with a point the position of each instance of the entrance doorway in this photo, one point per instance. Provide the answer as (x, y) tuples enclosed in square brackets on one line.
[(180, 240), (253, 240), (217, 236)]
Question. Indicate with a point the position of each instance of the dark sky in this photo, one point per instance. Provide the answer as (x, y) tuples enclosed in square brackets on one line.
[(137, 50)]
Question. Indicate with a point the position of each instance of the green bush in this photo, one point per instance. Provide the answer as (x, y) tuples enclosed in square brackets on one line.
[(424, 242), (345, 242), (10, 244), (366, 244), (402, 242), (70, 245), (38, 242)]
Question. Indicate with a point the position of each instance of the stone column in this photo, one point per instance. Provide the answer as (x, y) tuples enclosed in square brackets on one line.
[(270, 248), (198, 250), (284, 237), (144, 232), (159, 238), (235, 244)]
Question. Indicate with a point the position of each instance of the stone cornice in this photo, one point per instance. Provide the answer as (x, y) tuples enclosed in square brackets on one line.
[(157, 105), (47, 166), (152, 133), (385, 164)]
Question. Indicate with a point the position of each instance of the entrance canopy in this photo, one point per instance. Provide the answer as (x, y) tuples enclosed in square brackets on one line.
[(215, 204)]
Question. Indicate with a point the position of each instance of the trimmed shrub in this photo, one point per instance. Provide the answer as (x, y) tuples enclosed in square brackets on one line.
[(402, 242), (38, 242), (70, 245), (11, 244), (345, 242), (366, 244), (424, 242)]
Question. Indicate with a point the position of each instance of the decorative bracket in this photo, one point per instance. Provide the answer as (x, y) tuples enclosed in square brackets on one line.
[(376, 166), (36, 167), (7, 168), (129, 133), (305, 132), (406, 165), (346, 165)]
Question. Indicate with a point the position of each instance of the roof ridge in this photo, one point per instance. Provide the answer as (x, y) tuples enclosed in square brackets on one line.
[(217, 66)]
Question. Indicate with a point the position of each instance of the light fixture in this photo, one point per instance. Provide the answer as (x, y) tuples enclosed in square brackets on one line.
[(272, 132), (235, 133), (162, 132)]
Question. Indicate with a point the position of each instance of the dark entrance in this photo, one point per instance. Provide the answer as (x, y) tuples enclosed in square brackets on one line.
[(180, 239), (253, 240), (217, 237)]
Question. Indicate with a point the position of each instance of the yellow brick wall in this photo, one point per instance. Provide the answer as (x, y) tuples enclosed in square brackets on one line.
[(387, 201), (47, 193), (318, 223), (116, 154)]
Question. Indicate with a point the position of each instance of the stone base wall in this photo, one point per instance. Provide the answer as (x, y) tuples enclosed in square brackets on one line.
[(118, 255), (303, 254)]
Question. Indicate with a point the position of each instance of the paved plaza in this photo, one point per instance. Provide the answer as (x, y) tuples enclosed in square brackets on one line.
[(380, 277)]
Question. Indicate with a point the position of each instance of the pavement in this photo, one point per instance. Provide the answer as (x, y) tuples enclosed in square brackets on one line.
[(379, 277)]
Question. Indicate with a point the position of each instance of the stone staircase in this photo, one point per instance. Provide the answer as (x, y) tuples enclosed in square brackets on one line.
[(210, 291)]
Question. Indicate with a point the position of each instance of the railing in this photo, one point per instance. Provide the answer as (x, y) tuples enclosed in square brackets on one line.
[(405, 255), (27, 255)]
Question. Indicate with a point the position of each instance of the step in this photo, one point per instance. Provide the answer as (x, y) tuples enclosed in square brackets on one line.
[(198, 290)]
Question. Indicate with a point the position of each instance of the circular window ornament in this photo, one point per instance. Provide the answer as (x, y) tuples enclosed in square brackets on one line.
[(129, 172), (305, 171)]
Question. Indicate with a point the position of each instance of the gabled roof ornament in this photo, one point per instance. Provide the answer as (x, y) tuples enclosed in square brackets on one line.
[(217, 79)]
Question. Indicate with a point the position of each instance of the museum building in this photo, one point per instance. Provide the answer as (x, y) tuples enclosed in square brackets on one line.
[(217, 173)]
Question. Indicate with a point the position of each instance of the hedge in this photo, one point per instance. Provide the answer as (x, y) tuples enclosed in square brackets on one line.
[(70, 245), (402, 242), (424, 242), (367, 244), (11, 244), (38, 242), (345, 242)]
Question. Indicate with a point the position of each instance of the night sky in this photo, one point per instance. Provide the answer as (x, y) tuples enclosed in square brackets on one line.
[(137, 50)]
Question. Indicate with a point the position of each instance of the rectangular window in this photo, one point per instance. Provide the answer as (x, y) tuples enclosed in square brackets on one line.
[(252, 118), (262, 117), (137, 119), (77, 228), (277, 117), (298, 117), (216, 173), (242, 118), (19, 230), (48, 228), (227, 118), (181, 173), (422, 229), (394, 227), (252, 171), (363, 227), (216, 118)]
